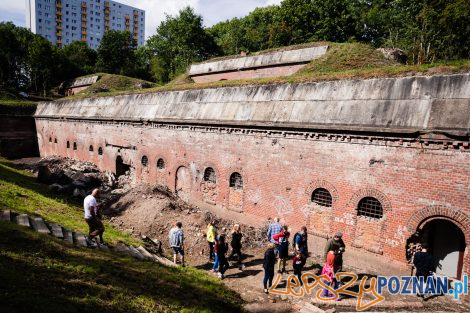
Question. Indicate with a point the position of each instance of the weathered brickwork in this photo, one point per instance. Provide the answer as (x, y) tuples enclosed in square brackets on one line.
[(412, 181), (377, 159)]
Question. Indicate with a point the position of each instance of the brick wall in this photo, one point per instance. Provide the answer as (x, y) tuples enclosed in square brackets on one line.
[(413, 182)]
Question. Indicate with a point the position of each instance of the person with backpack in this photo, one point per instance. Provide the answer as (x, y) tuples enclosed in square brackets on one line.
[(299, 242), (282, 238), (177, 242)]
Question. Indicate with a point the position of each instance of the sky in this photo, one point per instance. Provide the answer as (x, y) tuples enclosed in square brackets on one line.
[(212, 11)]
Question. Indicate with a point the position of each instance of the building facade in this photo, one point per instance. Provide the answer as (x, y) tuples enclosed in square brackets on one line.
[(64, 21), (386, 161)]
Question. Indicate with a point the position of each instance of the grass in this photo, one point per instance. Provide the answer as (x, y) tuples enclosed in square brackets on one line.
[(114, 83), (39, 273), (20, 192), (342, 61)]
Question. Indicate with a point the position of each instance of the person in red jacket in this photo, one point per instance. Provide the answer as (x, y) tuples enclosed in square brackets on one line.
[(282, 238)]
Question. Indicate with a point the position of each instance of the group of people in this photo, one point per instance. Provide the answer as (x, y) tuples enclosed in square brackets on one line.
[(218, 248), (278, 249)]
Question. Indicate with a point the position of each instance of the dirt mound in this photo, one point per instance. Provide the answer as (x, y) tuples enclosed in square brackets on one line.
[(153, 211)]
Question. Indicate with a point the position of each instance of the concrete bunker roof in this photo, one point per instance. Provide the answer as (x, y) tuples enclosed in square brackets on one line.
[(403, 105)]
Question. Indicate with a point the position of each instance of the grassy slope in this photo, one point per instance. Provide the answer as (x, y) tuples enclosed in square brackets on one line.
[(342, 61), (20, 192), (39, 273), (114, 83)]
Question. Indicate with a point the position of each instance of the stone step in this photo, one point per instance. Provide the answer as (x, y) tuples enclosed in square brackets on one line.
[(57, 230), (135, 253), (310, 308), (145, 253), (79, 239), (164, 261), (122, 248), (103, 247), (5, 216), (39, 225), (23, 220), (68, 236)]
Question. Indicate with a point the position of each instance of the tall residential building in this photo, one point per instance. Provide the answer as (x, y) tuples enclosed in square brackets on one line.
[(64, 21)]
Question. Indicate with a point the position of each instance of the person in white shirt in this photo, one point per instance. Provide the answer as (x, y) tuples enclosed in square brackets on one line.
[(93, 218)]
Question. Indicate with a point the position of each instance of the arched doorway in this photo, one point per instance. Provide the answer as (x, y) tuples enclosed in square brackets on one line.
[(447, 245), (121, 167), (183, 183)]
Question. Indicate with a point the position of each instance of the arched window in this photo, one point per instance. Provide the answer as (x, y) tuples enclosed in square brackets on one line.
[(91, 148), (145, 160), (236, 181), (370, 207), (209, 175), (100, 151), (50, 139), (160, 164), (68, 144), (55, 140), (74, 146), (322, 197)]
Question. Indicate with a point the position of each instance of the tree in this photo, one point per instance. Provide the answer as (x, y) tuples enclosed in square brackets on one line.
[(13, 55), (180, 41), (41, 62), (116, 53), (81, 58)]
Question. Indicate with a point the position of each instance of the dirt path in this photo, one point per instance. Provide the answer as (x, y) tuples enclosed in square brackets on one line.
[(146, 211)]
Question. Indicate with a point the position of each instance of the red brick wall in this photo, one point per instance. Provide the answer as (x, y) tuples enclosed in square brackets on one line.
[(413, 182), (250, 73)]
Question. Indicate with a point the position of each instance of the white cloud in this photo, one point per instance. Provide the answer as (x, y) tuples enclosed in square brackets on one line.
[(212, 11)]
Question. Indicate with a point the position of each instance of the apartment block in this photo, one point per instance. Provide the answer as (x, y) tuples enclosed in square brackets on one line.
[(64, 21)]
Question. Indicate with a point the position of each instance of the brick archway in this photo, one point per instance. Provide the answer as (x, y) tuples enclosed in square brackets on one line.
[(429, 213)]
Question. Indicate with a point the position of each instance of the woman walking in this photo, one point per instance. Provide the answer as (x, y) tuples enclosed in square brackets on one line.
[(222, 249), (211, 235), (268, 265), (236, 245)]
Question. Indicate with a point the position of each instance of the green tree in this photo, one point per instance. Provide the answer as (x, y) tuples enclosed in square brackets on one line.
[(13, 55), (41, 62), (81, 58), (180, 41), (116, 53)]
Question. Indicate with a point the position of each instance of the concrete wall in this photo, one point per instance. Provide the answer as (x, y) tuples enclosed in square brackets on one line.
[(402, 141), (18, 138), (304, 55)]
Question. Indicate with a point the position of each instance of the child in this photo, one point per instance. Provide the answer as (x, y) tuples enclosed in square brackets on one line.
[(329, 270), (283, 239), (298, 263), (268, 265)]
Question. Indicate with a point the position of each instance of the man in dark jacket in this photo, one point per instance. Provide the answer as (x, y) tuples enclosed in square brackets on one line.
[(337, 245), (424, 263)]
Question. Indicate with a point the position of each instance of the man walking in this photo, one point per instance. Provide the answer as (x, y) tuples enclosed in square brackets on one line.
[(93, 218), (177, 242), (424, 263)]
